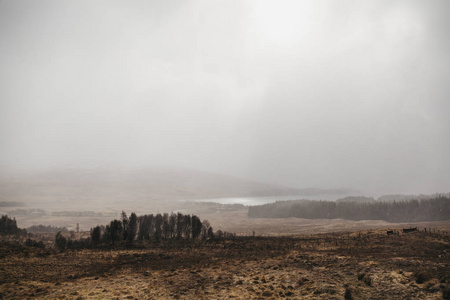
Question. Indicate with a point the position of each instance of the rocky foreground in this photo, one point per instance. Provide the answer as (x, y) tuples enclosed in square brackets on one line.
[(361, 265)]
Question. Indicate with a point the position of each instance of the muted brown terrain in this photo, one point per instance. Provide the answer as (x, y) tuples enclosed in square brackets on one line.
[(358, 265), (239, 223), (232, 219)]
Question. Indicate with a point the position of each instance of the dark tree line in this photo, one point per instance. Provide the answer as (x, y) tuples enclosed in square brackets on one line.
[(437, 209), (146, 228), (8, 226), (44, 228), (154, 228), (151, 228)]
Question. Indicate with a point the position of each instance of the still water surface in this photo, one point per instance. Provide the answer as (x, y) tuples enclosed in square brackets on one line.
[(249, 201)]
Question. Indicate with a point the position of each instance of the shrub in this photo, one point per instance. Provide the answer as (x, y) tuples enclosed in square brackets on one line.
[(348, 294), (446, 293), (35, 244), (422, 276), (60, 241)]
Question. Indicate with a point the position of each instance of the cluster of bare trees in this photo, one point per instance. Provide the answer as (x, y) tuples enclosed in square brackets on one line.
[(154, 228), (8, 226)]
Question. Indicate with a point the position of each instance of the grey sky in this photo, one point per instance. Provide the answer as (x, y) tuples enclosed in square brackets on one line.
[(303, 93)]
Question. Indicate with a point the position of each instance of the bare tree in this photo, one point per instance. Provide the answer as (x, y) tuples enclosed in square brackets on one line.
[(205, 227), (125, 221), (180, 225), (172, 224), (132, 227), (95, 235), (115, 231), (187, 224), (158, 227), (196, 225), (166, 226)]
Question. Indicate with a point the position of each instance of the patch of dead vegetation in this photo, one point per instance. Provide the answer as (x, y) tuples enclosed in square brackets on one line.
[(363, 265)]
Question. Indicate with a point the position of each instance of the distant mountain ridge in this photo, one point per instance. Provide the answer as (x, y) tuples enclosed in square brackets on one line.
[(119, 184)]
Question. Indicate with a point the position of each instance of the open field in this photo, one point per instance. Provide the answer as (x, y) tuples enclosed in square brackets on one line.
[(239, 223), (235, 221), (358, 265)]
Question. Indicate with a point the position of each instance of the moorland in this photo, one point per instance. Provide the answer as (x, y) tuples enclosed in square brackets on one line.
[(368, 264)]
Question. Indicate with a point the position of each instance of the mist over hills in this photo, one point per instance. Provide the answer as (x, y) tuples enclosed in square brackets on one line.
[(157, 188), (116, 185)]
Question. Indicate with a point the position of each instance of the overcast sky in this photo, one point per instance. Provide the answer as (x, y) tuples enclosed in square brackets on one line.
[(303, 93)]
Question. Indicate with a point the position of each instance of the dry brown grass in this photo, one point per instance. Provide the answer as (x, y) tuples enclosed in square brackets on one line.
[(360, 265)]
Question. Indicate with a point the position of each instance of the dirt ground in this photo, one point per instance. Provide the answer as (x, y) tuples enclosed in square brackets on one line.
[(359, 265)]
